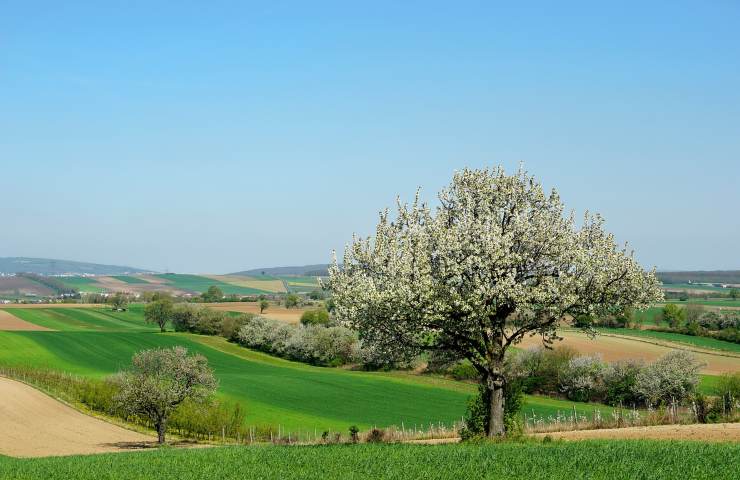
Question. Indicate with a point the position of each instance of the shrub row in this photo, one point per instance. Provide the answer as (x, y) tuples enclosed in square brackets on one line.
[(670, 379)]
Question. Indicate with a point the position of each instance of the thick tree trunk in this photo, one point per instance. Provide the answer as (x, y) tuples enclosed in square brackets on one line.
[(496, 426), (161, 429)]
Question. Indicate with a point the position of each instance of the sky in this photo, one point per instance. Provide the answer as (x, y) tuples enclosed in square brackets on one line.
[(212, 137)]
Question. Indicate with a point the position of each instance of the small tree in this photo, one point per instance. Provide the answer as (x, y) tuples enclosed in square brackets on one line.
[(213, 294), (496, 261), (159, 312), (673, 377), (674, 315), (264, 305), (161, 379), (292, 300), (119, 301), (734, 293)]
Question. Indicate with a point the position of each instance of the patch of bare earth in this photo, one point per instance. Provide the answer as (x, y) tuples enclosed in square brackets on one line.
[(613, 348), (36, 425), (718, 432), (9, 322), (50, 305), (282, 314)]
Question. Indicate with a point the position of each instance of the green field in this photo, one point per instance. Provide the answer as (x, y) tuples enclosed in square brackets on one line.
[(196, 283), (693, 286), (83, 284), (703, 342), (130, 279), (274, 391), (718, 302), (529, 461), (85, 319)]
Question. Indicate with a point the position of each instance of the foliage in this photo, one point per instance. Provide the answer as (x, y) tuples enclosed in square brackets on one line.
[(159, 312), (582, 378), (314, 344), (674, 315), (213, 294), (264, 305), (671, 378), (161, 379), (292, 300), (318, 316), (188, 318), (496, 260), (620, 379), (119, 301), (476, 420)]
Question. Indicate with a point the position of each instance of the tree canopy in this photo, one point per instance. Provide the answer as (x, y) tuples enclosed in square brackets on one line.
[(497, 260)]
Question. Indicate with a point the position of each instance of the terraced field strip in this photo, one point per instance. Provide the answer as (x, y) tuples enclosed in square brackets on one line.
[(70, 319), (272, 286), (36, 425), (199, 284), (9, 322), (134, 280), (702, 344), (83, 284), (274, 312), (613, 348)]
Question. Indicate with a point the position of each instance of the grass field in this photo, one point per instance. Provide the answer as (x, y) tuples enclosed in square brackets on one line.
[(530, 461), (85, 319), (130, 279), (702, 342), (693, 286), (83, 284)]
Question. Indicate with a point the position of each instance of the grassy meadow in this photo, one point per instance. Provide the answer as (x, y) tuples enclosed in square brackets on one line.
[(530, 461)]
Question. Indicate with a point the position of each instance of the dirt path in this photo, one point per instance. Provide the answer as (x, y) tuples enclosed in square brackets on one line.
[(9, 322), (719, 432), (36, 425), (614, 348)]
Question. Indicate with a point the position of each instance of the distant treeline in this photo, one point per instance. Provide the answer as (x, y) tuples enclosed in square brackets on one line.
[(50, 282), (718, 276)]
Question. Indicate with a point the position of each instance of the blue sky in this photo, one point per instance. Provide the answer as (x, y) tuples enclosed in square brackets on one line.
[(216, 136)]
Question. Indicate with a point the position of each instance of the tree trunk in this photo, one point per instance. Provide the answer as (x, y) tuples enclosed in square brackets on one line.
[(496, 413), (161, 426)]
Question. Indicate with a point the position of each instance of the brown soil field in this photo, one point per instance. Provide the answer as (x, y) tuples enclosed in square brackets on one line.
[(612, 349), (289, 315), (36, 425), (718, 432), (10, 322), (51, 305), (274, 286), (9, 286)]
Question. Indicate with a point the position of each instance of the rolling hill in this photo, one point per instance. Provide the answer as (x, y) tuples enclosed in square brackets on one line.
[(48, 266)]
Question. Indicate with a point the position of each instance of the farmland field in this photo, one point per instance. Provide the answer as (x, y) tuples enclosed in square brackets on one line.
[(274, 391), (702, 342), (197, 283), (528, 460), (83, 284)]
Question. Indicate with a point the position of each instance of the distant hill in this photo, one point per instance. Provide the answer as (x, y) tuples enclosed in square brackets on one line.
[(47, 266), (716, 276), (319, 270)]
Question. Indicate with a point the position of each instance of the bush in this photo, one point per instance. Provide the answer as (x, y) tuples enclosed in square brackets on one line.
[(317, 316), (671, 378), (581, 379), (477, 416), (619, 380), (187, 318), (542, 368), (313, 344), (464, 371)]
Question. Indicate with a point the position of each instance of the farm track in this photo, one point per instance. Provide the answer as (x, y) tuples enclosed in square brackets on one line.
[(36, 425), (718, 432)]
